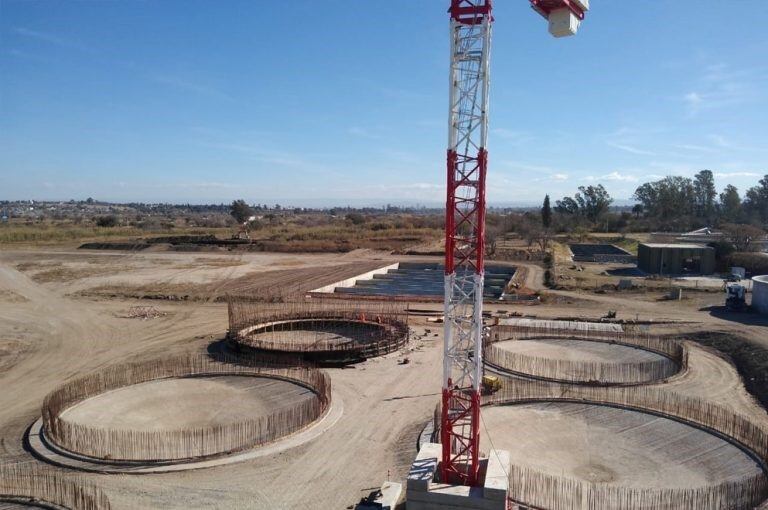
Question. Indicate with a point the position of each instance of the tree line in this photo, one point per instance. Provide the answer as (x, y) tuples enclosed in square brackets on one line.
[(673, 203)]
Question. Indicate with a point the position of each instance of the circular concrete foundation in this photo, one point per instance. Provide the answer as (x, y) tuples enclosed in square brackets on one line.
[(323, 340), (171, 404), (611, 447), (576, 360), (188, 411), (308, 333), (157, 410)]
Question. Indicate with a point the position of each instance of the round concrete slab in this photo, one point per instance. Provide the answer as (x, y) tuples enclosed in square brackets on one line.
[(612, 446), (171, 404), (309, 333), (45, 450), (647, 365)]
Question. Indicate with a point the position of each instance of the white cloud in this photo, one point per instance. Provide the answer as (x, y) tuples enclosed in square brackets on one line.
[(720, 87), (736, 174), (49, 38), (629, 148), (613, 176), (693, 100), (616, 176), (559, 177), (720, 141), (692, 147), (725, 143)]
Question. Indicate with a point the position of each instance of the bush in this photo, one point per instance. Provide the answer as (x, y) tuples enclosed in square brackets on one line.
[(754, 263), (723, 250), (379, 225), (107, 221), (356, 218)]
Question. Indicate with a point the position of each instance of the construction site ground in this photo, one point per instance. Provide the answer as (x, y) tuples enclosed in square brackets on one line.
[(53, 329)]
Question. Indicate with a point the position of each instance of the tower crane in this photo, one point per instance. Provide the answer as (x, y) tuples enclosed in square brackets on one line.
[(467, 163)]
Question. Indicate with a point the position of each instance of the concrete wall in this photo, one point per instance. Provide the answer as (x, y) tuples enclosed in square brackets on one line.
[(350, 282), (670, 260), (760, 294)]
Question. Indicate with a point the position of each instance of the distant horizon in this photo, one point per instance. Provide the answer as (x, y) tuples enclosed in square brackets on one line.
[(313, 204)]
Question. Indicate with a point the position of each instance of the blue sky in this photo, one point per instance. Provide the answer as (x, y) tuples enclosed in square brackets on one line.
[(305, 102)]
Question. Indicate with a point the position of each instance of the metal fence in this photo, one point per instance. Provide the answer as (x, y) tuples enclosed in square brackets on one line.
[(44, 485), (563, 493), (591, 372), (362, 329), (656, 399), (556, 492), (184, 443)]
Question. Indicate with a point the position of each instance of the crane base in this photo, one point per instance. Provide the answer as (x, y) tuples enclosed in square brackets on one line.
[(424, 493)]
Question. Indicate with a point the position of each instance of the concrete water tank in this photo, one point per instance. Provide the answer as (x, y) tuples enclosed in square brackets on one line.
[(760, 293)]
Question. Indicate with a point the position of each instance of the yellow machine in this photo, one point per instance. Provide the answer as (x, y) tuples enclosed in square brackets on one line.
[(491, 384)]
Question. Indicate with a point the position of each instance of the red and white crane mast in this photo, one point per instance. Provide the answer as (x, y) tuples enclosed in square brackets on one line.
[(467, 161)]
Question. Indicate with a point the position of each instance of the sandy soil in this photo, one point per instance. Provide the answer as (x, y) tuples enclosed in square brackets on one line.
[(385, 403), (613, 446), (76, 270), (172, 404)]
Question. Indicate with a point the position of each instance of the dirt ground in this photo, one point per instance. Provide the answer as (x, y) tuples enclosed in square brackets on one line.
[(49, 333)]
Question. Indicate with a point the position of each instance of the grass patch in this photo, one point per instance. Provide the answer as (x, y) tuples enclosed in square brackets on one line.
[(65, 232)]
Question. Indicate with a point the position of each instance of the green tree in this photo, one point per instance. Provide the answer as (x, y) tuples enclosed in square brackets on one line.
[(240, 211), (591, 202), (594, 200), (672, 196), (705, 194), (730, 204), (567, 206), (756, 202), (546, 213)]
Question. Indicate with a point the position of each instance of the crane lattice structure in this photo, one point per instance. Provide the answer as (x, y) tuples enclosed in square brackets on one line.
[(467, 160)]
